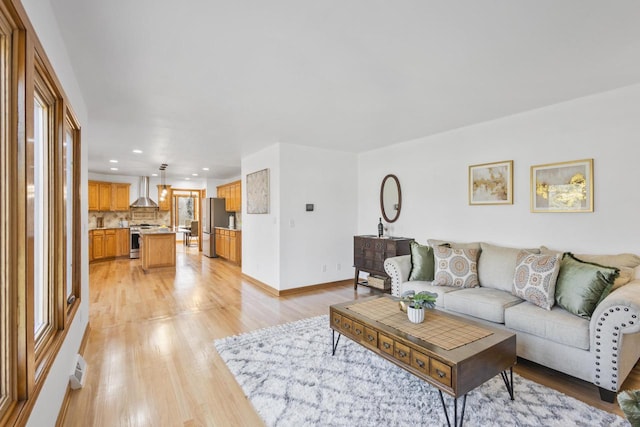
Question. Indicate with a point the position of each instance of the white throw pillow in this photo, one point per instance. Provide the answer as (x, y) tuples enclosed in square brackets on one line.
[(535, 278), (455, 267)]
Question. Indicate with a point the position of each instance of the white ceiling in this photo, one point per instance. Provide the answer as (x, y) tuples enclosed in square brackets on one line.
[(202, 83)]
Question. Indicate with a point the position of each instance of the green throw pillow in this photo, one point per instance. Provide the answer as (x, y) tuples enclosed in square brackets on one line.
[(421, 262), (582, 285)]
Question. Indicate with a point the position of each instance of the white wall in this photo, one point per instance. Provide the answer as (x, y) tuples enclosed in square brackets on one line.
[(288, 247), (433, 173), (47, 406), (324, 237), (261, 232)]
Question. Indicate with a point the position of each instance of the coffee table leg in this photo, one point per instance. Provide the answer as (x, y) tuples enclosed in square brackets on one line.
[(455, 410), (508, 381), (334, 341)]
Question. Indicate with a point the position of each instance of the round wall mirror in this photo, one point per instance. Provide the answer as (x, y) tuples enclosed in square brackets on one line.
[(390, 198)]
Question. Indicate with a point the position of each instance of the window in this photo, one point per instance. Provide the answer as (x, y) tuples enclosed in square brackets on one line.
[(39, 216), (186, 207), (6, 344), (40, 208)]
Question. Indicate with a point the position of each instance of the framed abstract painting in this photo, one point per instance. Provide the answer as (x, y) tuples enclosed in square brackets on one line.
[(562, 187), (491, 183)]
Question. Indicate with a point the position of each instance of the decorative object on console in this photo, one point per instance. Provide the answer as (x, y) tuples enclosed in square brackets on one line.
[(258, 192), (390, 198), (535, 278), (562, 187), (491, 183), (455, 267)]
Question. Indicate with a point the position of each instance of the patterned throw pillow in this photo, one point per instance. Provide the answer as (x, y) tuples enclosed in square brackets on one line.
[(455, 267), (535, 278)]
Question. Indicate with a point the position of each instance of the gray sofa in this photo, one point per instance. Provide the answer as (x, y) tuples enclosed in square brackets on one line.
[(602, 350)]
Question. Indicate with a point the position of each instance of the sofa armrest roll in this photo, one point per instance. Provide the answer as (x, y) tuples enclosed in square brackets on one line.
[(398, 268), (616, 316)]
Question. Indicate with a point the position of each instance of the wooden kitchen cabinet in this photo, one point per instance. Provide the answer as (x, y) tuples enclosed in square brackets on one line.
[(232, 195), (107, 196), (235, 246), (229, 244), (107, 243), (120, 197), (164, 205), (122, 242)]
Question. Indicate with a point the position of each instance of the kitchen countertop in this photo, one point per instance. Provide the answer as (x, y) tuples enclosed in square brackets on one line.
[(157, 231), (109, 228)]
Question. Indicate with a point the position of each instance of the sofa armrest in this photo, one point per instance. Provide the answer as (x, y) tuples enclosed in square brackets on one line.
[(617, 315), (398, 268)]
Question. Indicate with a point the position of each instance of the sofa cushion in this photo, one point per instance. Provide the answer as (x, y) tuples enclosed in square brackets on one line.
[(421, 262), (582, 285), (535, 278), (456, 245), (483, 303), (497, 265), (557, 324), (455, 267), (419, 286)]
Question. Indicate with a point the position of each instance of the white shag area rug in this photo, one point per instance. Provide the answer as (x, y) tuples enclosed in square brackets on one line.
[(291, 378)]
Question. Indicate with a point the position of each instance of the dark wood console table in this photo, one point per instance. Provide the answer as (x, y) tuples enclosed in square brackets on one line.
[(369, 253)]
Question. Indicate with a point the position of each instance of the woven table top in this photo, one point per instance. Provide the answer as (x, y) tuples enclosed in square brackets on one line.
[(439, 330)]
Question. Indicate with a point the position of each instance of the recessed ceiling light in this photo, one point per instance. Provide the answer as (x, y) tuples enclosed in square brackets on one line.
[(187, 178), (154, 174), (205, 169), (194, 174), (113, 161), (137, 151), (114, 169)]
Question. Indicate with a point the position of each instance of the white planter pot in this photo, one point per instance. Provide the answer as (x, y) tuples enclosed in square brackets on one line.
[(416, 315)]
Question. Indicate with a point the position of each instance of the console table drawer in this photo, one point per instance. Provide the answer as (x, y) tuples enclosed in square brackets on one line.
[(336, 320), (358, 331), (440, 372), (420, 362), (385, 344), (347, 326), (402, 353), (371, 337)]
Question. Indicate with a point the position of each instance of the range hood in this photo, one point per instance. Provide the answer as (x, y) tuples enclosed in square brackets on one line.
[(143, 190)]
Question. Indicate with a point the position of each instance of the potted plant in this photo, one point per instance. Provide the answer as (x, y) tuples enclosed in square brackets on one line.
[(416, 303)]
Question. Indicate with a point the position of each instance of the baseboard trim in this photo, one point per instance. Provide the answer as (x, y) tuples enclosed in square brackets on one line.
[(278, 293), (67, 395)]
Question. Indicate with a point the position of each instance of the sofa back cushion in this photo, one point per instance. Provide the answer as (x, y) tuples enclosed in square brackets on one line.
[(496, 266), (455, 245)]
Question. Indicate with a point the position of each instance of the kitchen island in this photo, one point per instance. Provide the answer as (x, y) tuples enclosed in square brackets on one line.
[(157, 249)]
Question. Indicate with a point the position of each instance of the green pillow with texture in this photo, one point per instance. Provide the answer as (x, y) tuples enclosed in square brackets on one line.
[(582, 285), (422, 264)]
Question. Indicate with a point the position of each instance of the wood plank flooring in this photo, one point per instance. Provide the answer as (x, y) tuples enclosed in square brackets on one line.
[(150, 354)]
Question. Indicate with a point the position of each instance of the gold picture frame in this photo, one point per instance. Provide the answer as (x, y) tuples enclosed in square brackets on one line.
[(562, 187), (491, 183)]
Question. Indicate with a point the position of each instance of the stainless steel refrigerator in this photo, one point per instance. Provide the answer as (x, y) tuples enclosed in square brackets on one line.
[(213, 215)]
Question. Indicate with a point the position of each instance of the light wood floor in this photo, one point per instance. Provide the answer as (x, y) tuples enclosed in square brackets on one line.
[(150, 354)]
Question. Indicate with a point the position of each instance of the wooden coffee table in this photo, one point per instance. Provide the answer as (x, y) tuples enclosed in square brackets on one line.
[(452, 353)]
